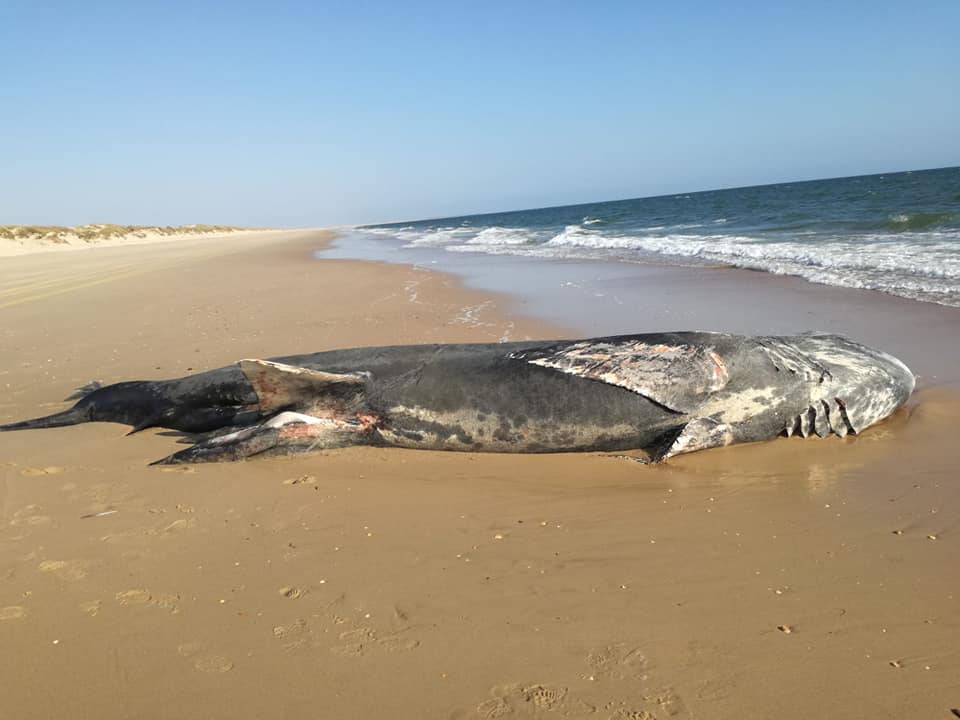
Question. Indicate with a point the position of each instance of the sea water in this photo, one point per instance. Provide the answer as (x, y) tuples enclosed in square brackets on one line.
[(897, 233)]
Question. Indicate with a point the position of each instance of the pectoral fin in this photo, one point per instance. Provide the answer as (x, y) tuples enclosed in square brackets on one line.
[(698, 434), (283, 434)]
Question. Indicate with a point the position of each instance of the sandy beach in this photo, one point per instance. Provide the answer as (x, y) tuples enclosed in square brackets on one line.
[(788, 579)]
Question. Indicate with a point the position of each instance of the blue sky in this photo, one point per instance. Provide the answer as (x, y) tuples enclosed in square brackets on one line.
[(314, 113)]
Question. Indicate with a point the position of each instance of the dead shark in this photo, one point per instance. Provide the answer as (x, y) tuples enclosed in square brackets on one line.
[(663, 393)]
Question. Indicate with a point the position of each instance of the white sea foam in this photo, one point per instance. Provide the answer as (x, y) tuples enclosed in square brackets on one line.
[(918, 265), (911, 266), (576, 235), (503, 236), (437, 237)]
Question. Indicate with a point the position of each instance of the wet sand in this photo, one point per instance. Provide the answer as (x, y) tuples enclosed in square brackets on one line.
[(790, 579)]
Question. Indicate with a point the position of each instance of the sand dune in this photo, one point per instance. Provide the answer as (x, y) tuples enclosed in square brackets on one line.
[(29, 239)]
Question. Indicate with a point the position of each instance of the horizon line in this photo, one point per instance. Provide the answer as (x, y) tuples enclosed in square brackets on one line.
[(649, 197)]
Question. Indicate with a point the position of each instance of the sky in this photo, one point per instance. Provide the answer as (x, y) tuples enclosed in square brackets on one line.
[(304, 114)]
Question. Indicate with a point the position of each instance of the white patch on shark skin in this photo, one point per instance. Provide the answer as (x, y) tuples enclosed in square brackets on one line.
[(427, 439), (285, 418), (277, 421), (738, 407), (230, 437), (418, 413), (675, 376)]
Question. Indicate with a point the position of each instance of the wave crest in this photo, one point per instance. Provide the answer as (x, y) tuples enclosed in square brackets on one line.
[(900, 222)]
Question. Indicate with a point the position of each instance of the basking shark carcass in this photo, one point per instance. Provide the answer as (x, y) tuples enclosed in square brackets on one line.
[(665, 393)]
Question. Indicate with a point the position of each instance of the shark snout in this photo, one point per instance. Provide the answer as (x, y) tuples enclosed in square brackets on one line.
[(902, 380), (868, 384)]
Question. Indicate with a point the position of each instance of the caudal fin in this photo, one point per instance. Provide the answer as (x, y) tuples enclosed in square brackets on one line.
[(196, 403), (73, 416), (79, 413)]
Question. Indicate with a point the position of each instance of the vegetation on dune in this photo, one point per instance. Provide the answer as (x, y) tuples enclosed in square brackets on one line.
[(92, 233)]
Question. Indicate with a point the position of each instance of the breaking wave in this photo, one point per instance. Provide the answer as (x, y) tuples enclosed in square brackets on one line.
[(897, 233), (921, 266)]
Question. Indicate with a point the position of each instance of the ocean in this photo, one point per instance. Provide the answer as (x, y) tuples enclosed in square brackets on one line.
[(897, 233)]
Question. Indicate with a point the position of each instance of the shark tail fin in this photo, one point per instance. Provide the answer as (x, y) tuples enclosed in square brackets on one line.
[(73, 416), (79, 413)]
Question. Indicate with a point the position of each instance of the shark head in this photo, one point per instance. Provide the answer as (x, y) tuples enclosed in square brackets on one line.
[(859, 384)]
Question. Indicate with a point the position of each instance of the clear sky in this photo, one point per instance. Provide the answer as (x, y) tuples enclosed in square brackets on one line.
[(296, 113)]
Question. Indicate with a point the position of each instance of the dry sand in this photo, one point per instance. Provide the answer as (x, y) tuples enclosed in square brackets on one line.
[(789, 579)]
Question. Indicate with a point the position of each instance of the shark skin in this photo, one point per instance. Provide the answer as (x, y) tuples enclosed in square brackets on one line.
[(663, 393)]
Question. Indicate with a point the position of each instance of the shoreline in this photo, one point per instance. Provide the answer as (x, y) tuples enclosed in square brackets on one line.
[(433, 584), (595, 298)]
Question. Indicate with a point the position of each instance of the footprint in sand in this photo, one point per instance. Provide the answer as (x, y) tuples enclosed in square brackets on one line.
[(629, 714), (213, 664), (518, 700), (493, 708), (292, 633), (545, 697), (395, 643), (618, 661), (660, 705), (718, 688), (355, 642), (189, 649), (204, 663), (34, 472), (670, 703), (12, 612), (91, 608), (29, 516), (139, 597), (362, 640), (289, 630), (168, 602), (292, 593), (65, 569)]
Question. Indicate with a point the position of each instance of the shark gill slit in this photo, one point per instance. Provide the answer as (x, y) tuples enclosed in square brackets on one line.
[(822, 419)]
